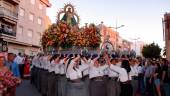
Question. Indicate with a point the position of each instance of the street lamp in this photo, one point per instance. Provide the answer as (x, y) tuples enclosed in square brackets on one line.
[(117, 27), (135, 39)]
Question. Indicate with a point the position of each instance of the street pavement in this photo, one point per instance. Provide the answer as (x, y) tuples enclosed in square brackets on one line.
[(26, 89)]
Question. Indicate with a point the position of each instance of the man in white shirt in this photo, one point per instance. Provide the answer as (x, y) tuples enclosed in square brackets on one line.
[(75, 86), (52, 75), (20, 61), (44, 85), (96, 75), (134, 74), (113, 87), (62, 76)]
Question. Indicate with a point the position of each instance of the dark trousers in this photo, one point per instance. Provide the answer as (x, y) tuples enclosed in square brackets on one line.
[(134, 83), (113, 88), (21, 70), (51, 84), (149, 87), (141, 84), (98, 88), (126, 89)]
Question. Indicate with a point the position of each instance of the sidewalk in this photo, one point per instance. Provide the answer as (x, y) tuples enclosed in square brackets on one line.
[(26, 89)]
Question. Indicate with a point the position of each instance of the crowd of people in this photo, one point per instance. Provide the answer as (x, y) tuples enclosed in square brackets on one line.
[(99, 75), (12, 70)]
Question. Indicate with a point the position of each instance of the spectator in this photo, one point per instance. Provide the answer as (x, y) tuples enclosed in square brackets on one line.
[(12, 65), (20, 61)]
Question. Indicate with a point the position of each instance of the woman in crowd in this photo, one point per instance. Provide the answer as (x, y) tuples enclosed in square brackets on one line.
[(125, 79), (8, 82), (157, 79), (27, 66)]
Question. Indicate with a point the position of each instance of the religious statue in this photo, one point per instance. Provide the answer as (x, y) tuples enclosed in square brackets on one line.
[(69, 15), (107, 45)]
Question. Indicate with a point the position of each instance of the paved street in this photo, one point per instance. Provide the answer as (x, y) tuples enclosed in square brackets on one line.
[(26, 89)]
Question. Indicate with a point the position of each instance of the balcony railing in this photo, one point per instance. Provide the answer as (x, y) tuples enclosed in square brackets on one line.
[(4, 12), (6, 31)]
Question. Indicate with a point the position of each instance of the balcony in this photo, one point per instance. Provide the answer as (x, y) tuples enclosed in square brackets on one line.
[(7, 32), (6, 13)]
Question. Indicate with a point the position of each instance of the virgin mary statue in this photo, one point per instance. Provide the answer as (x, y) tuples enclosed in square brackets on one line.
[(69, 17)]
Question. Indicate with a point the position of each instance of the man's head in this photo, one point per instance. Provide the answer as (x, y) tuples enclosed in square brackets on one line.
[(11, 57), (132, 62), (19, 54), (113, 61)]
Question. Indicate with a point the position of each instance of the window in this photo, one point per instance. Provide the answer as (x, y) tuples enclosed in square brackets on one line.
[(40, 6), (39, 21), (20, 30), (21, 12), (31, 17), (30, 32), (32, 2)]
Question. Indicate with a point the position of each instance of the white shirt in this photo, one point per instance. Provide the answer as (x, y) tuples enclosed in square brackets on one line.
[(51, 68), (41, 60), (123, 75), (119, 64), (112, 73), (134, 70), (37, 62), (85, 67), (45, 62), (66, 68), (140, 69), (34, 60), (73, 73), (19, 60), (57, 68), (62, 67), (96, 71)]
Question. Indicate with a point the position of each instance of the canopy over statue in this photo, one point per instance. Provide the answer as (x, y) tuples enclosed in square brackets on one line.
[(70, 17)]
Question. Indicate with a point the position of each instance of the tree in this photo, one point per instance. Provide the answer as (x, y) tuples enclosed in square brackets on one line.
[(151, 51)]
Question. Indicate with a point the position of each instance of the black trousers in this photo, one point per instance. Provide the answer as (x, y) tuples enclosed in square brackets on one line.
[(98, 88), (126, 89), (21, 70), (33, 75)]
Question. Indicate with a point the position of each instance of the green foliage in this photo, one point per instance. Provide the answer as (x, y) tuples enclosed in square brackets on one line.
[(151, 51)]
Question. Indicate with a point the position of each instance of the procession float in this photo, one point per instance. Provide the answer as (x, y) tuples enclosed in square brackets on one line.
[(67, 35)]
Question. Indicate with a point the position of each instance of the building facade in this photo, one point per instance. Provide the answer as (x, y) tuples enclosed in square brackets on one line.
[(30, 23), (113, 35), (166, 27), (8, 21)]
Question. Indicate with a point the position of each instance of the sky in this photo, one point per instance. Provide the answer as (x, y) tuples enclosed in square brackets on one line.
[(142, 18)]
